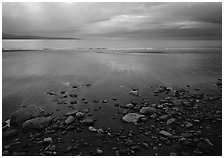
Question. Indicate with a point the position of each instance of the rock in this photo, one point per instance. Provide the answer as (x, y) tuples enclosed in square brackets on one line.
[(73, 102), (99, 151), (189, 124), (18, 154), (147, 110), (209, 142), (105, 101), (92, 129), (5, 153), (132, 117), (136, 147), (165, 133), (72, 95), (170, 121), (129, 105), (129, 142), (173, 154), (164, 117), (186, 135), (134, 92), (123, 152), (37, 123), (23, 114), (47, 140), (88, 121), (117, 153), (79, 115), (10, 133), (71, 113), (69, 120), (177, 102)]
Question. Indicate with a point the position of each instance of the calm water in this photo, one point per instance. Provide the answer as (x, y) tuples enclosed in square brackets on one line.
[(28, 75)]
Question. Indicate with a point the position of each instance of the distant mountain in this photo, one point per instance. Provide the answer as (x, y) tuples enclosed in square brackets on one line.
[(11, 36)]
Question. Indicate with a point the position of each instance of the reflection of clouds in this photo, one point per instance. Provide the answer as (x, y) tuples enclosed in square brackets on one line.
[(121, 64)]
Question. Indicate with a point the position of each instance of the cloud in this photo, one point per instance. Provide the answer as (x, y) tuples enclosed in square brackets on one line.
[(117, 20)]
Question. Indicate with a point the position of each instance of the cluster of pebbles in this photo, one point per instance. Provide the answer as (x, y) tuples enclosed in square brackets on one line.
[(186, 122)]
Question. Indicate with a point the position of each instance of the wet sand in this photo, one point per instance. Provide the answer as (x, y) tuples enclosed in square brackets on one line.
[(102, 83)]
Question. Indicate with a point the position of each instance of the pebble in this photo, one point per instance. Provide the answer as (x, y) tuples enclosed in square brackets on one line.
[(79, 115), (48, 140), (92, 129), (189, 125), (99, 151), (170, 121), (69, 120), (129, 142), (5, 153), (165, 133), (147, 110)]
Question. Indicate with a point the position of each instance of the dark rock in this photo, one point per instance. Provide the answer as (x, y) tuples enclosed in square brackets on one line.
[(134, 92), (10, 133), (18, 154), (37, 123), (23, 114), (72, 95)]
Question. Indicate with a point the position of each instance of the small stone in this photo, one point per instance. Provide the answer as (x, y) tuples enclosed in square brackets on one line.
[(134, 92), (105, 101), (173, 154), (170, 121), (129, 105), (129, 142), (92, 129), (189, 125), (132, 117), (71, 113), (5, 153), (19, 154), (147, 110), (47, 140), (99, 151), (164, 117), (79, 115), (209, 142), (69, 120), (73, 95), (165, 133), (73, 102), (88, 121), (186, 135)]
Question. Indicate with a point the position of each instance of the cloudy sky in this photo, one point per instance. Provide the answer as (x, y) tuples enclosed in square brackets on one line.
[(174, 21)]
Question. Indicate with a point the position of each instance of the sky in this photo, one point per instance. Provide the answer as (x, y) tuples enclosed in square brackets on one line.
[(104, 20)]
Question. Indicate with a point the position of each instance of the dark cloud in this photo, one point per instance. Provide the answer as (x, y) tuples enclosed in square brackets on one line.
[(117, 20)]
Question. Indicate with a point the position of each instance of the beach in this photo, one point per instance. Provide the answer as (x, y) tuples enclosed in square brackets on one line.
[(174, 94)]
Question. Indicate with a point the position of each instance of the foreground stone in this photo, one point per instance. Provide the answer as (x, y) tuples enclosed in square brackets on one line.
[(165, 133), (9, 133), (37, 123), (69, 120), (26, 113), (132, 117)]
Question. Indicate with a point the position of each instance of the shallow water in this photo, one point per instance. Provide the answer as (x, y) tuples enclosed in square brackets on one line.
[(28, 75)]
